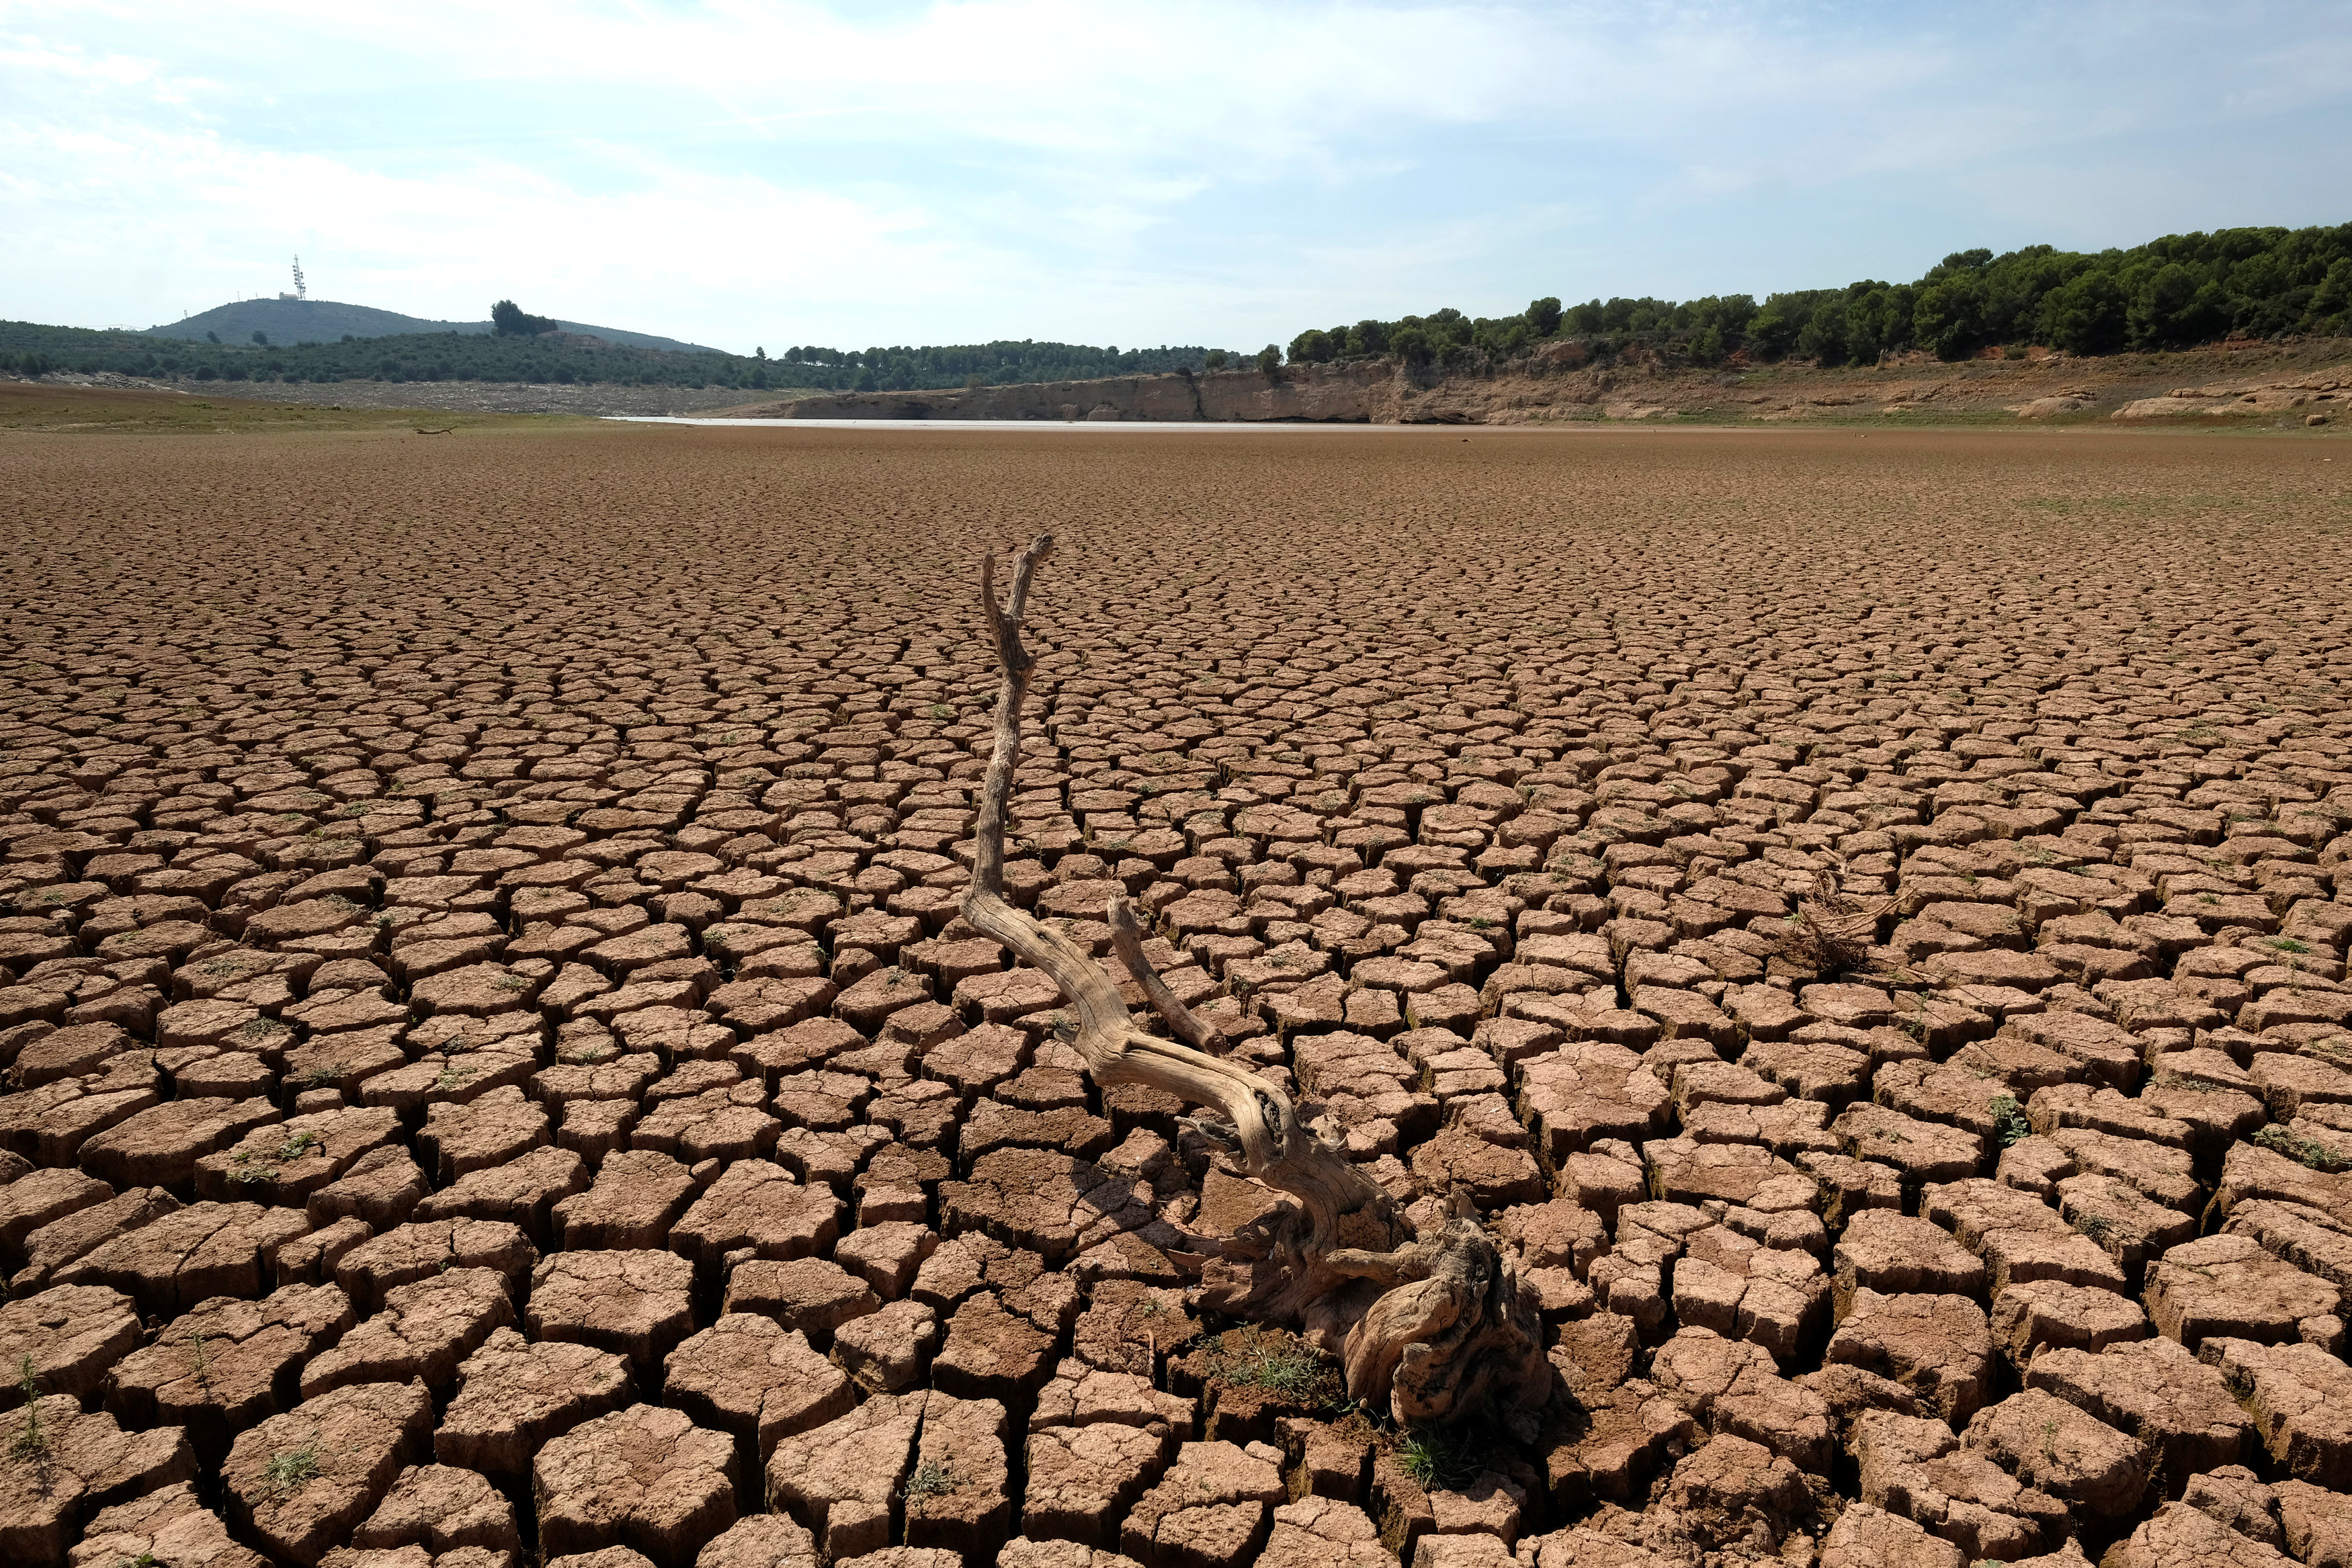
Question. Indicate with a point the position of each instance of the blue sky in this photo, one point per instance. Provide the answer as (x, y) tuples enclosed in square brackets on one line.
[(749, 173)]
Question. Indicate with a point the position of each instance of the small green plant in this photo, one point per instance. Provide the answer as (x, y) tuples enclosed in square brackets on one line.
[(295, 1147), (1275, 1363), (2009, 1122), (931, 1478), (454, 1075), (200, 1361), (243, 1168), (1436, 1459), (2097, 1227), (2303, 1151), (2291, 944), (1917, 1022), (30, 1442), (289, 1468)]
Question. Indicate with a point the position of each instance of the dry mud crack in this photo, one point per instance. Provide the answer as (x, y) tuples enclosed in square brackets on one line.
[(495, 1073)]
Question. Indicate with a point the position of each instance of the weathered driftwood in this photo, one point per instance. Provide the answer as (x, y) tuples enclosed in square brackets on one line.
[(1434, 1326)]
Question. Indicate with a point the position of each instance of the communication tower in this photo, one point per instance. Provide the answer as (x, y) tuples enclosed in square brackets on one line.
[(302, 291)]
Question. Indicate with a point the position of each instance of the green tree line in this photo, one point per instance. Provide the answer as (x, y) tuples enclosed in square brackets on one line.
[(1004, 361), (28, 348), (2172, 293)]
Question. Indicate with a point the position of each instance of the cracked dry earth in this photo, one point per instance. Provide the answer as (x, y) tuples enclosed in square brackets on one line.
[(494, 1074)]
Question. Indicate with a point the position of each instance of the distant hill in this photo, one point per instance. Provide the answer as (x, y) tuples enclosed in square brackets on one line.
[(307, 343), (329, 321)]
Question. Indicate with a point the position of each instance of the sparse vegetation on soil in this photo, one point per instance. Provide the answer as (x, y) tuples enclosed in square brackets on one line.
[(1271, 1361)]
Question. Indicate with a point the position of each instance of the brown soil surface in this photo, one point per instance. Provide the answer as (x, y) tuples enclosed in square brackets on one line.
[(594, 398), (53, 396), (121, 404), (477, 930)]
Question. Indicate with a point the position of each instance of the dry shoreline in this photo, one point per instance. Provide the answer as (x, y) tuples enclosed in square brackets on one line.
[(2288, 384)]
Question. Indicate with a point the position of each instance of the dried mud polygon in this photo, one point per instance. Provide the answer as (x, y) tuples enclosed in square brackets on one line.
[(497, 896)]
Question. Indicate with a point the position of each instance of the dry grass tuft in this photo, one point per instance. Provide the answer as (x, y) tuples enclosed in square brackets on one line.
[(1832, 931)]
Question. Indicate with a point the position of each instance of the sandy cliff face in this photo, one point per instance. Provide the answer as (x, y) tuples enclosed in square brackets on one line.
[(2298, 384), (2322, 394), (1370, 394), (1320, 393)]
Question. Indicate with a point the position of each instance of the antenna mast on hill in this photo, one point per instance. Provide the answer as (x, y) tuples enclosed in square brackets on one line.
[(302, 291)]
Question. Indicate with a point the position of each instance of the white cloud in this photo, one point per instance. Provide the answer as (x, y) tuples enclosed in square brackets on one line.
[(736, 172), (224, 217)]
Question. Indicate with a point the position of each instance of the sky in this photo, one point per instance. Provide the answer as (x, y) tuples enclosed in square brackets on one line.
[(746, 173)]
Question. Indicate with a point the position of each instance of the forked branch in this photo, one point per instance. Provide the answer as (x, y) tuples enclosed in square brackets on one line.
[(1434, 1325), (1116, 1051)]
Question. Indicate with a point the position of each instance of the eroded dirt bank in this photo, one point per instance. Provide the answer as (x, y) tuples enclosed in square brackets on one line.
[(2259, 384), (493, 1073), (2253, 385)]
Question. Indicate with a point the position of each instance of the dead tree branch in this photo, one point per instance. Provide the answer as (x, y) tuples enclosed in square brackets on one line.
[(1434, 1326)]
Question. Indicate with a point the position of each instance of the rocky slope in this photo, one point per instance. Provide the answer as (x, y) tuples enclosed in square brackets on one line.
[(2262, 383)]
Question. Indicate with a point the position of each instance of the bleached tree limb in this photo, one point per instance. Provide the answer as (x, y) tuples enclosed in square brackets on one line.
[(1126, 941), (1432, 1326)]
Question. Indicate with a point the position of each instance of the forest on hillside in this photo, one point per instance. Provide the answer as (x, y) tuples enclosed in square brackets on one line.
[(545, 356), (2172, 293)]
